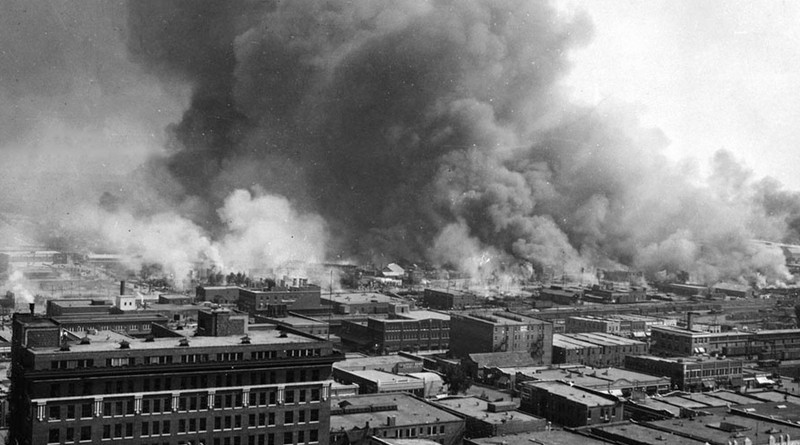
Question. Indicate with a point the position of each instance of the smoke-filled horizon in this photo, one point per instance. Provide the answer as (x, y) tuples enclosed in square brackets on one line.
[(431, 131)]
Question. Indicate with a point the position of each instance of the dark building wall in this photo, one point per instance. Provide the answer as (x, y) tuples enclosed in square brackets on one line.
[(566, 411), (445, 300), (219, 295), (468, 336), (202, 394)]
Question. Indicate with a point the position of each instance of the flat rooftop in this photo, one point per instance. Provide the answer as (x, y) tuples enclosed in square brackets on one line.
[(789, 412), (575, 394), (687, 360), (105, 341), (359, 298), (643, 434), (410, 411), (659, 405), (722, 425), (556, 437), (376, 362), (479, 409), (604, 339), (501, 318), (425, 315), (383, 377), (594, 377), (732, 397), (566, 342), (293, 320)]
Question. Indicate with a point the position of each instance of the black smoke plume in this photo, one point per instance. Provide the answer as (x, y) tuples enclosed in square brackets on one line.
[(438, 131)]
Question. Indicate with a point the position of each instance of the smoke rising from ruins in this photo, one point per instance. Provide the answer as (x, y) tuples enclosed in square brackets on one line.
[(431, 131)]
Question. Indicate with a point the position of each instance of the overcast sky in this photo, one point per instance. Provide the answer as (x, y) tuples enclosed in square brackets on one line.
[(712, 75)]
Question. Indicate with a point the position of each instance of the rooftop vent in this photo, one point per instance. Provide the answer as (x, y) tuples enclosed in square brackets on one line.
[(246, 340), (124, 344), (150, 338), (183, 342), (86, 340)]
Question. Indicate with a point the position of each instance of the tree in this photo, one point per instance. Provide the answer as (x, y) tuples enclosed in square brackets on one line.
[(457, 380)]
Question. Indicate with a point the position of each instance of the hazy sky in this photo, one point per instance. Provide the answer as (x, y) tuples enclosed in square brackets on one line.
[(711, 75)]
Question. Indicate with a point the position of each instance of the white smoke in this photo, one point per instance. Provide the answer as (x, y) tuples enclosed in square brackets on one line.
[(261, 231)]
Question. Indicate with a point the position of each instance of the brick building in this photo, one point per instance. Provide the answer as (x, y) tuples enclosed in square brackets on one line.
[(691, 373), (491, 419), (235, 388), (595, 349), (487, 331), (217, 294), (449, 299), (356, 419), (278, 301), (407, 331), (569, 405)]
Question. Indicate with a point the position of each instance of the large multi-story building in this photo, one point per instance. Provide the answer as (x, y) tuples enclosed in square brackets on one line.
[(569, 405), (691, 373), (491, 419), (449, 299), (498, 331), (277, 301), (217, 294), (595, 349), (409, 331), (355, 420), (781, 344), (225, 385)]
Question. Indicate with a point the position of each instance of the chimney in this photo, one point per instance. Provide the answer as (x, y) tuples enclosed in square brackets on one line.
[(690, 320), (122, 287), (32, 306)]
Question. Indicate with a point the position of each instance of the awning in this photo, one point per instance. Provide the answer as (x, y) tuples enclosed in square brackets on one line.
[(709, 383), (761, 380), (615, 392)]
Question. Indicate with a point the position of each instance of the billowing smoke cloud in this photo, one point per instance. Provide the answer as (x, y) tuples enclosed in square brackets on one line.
[(369, 130), (261, 232), (438, 130)]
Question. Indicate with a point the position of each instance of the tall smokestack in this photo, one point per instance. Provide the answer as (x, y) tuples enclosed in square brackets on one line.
[(122, 287), (690, 320)]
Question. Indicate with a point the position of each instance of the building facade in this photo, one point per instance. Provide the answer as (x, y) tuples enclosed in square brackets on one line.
[(449, 299), (239, 387), (487, 331), (691, 373), (569, 405)]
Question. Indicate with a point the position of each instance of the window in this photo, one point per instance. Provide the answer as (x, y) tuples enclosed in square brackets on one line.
[(70, 411), (86, 410), (315, 415), (288, 417), (165, 427), (287, 438), (313, 436), (70, 436), (315, 395), (119, 361), (145, 428), (301, 416), (54, 436), (54, 413), (86, 433)]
